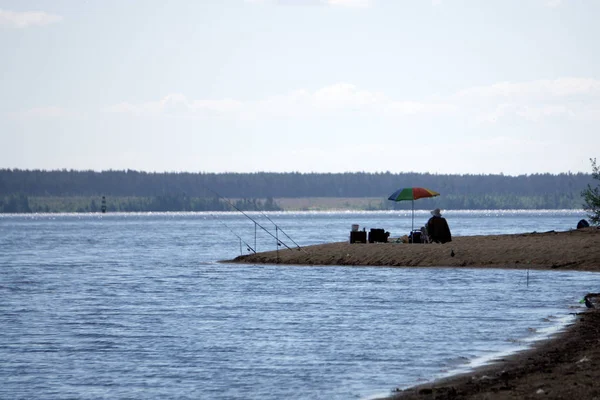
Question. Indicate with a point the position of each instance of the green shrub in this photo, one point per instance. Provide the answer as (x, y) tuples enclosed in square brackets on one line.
[(591, 196)]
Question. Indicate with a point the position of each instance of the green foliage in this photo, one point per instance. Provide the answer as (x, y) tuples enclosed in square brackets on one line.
[(591, 196), (15, 203)]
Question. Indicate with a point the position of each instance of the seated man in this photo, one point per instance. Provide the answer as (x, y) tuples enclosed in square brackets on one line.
[(437, 228)]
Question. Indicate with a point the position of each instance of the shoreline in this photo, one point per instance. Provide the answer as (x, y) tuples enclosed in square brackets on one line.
[(566, 365)]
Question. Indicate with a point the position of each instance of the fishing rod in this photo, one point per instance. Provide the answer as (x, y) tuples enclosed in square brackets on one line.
[(276, 227), (279, 242), (250, 248)]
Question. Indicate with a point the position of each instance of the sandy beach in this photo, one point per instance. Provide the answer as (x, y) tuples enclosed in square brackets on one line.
[(564, 367)]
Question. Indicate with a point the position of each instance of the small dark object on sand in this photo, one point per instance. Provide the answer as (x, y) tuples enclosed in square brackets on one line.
[(588, 303), (582, 224), (452, 253)]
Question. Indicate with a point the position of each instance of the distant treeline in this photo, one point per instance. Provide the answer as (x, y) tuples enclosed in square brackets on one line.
[(20, 203), (81, 191)]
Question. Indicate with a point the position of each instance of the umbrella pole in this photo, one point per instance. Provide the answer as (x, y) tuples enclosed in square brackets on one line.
[(412, 227)]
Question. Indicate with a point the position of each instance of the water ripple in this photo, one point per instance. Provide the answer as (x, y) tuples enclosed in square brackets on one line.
[(137, 306)]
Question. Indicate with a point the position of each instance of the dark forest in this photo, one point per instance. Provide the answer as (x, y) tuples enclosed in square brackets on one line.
[(81, 191)]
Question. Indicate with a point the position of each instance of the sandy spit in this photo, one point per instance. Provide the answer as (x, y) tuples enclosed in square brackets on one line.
[(571, 250)]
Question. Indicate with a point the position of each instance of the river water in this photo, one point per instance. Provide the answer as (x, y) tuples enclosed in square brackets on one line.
[(138, 306)]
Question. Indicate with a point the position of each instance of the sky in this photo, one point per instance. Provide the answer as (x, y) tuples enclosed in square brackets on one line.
[(437, 86)]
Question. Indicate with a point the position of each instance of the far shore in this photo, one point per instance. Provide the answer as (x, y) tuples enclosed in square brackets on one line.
[(564, 367)]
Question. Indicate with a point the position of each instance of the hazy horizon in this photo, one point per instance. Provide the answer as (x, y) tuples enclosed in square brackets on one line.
[(312, 86), (291, 172)]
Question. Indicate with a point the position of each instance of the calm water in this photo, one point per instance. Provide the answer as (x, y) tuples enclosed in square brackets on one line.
[(137, 306)]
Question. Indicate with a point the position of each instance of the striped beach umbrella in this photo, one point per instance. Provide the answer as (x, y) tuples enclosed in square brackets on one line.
[(412, 194)]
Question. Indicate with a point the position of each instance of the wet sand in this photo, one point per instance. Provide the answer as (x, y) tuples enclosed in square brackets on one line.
[(566, 366)]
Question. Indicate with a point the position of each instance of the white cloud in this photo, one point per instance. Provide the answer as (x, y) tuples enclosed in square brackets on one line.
[(535, 101), (540, 89), (336, 99), (174, 103), (403, 108), (16, 19), (501, 144), (217, 106), (177, 104), (342, 99)]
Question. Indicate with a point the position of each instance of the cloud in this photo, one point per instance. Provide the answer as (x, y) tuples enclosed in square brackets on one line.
[(333, 100), (178, 105), (341, 99), (501, 143), (16, 19), (539, 89), (534, 101)]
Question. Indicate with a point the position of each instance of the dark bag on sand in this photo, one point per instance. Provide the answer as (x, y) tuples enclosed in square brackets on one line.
[(582, 224), (378, 235), (414, 237)]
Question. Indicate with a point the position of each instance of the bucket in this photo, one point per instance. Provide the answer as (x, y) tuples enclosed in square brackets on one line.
[(354, 227)]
